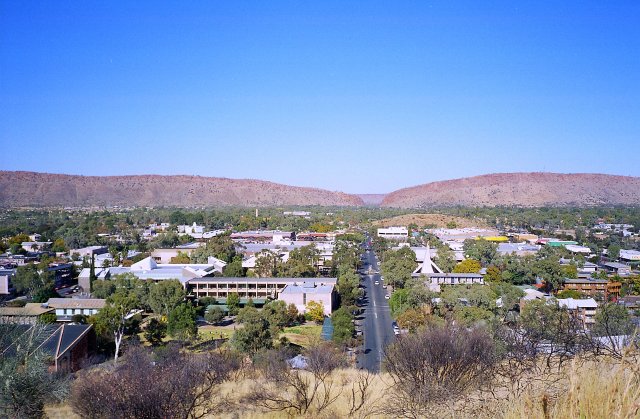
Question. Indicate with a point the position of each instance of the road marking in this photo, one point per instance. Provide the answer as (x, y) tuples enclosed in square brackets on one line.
[(376, 314)]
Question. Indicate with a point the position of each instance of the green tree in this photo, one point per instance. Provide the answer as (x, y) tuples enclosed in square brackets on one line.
[(233, 303), (164, 296), (570, 294), (315, 311), (549, 270), (398, 303), (445, 258), (481, 250), (343, 327), (398, 265), (214, 315), (25, 381), (155, 331), (612, 320), (613, 252), (103, 288), (267, 264), (234, 269), (468, 266), (112, 318), (349, 288), (276, 314), (182, 322), (302, 262), (255, 334), (221, 247)]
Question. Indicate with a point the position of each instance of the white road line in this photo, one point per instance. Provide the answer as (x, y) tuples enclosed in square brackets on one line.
[(376, 314)]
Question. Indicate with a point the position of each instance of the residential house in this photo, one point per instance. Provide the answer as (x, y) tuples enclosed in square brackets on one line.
[(70, 346), (29, 314), (66, 308), (618, 268)]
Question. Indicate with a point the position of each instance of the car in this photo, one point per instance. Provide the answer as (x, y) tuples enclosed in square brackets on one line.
[(386, 296), (385, 286), (377, 282)]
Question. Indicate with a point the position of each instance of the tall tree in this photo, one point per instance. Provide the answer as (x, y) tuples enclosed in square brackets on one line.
[(112, 318), (164, 296)]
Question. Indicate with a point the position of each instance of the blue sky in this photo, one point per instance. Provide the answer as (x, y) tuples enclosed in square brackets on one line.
[(354, 96)]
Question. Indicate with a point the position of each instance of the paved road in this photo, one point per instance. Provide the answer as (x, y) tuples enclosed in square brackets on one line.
[(376, 327)]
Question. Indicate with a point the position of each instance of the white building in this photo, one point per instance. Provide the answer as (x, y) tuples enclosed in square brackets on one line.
[(630, 255), (393, 233), (66, 308), (574, 248), (301, 294)]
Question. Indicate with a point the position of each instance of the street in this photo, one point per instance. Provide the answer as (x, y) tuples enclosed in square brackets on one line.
[(376, 325)]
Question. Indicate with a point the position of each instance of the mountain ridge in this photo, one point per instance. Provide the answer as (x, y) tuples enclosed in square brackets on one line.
[(524, 189)]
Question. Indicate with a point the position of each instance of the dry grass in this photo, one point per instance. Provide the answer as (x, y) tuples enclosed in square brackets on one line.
[(603, 390), (439, 220)]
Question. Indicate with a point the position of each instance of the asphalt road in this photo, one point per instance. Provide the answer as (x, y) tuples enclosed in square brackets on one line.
[(376, 324)]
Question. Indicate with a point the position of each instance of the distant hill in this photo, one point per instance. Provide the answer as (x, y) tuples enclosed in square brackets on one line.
[(19, 189), (521, 189)]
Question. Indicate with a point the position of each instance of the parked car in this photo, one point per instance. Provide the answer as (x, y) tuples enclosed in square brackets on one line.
[(386, 296)]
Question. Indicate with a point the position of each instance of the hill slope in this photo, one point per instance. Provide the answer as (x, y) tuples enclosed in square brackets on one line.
[(521, 189), (44, 189)]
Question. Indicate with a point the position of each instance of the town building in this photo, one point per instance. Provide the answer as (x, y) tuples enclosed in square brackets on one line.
[(89, 251), (585, 310), (6, 287), (300, 294), (29, 314), (629, 255), (618, 268), (255, 288), (66, 308), (394, 233), (275, 236), (593, 287)]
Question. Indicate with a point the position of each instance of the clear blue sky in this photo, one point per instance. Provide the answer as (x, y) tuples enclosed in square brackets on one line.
[(353, 96)]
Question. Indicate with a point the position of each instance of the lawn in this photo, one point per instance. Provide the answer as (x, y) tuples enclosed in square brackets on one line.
[(303, 335), (214, 332)]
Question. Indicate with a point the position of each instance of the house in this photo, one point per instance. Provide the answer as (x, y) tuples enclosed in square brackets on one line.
[(300, 294), (618, 268), (585, 309), (630, 302), (630, 255), (89, 251), (29, 314), (35, 246), (66, 308), (394, 233), (574, 248), (70, 346)]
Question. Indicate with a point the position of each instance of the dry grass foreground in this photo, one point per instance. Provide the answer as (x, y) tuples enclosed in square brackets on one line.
[(421, 220), (605, 390)]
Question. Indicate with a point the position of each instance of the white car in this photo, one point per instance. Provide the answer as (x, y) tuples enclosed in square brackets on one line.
[(377, 282), (386, 296)]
